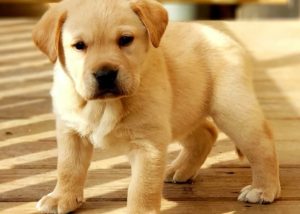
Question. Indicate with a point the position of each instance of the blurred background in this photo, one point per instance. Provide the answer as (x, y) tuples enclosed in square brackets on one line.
[(185, 9)]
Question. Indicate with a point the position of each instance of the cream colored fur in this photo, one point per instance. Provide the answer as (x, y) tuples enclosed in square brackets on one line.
[(170, 84)]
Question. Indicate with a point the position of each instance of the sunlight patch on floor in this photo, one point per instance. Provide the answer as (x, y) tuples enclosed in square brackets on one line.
[(21, 104), (26, 77), (28, 138), (108, 163), (24, 65), (13, 36), (18, 56), (22, 122), (219, 158), (24, 90), (29, 158), (117, 184), (14, 27), (24, 207), (16, 45), (27, 181)]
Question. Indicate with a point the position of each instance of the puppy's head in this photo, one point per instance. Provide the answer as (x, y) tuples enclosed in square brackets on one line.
[(102, 44)]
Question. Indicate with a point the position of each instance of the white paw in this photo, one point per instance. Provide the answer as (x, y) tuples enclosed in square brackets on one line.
[(250, 194), (59, 204)]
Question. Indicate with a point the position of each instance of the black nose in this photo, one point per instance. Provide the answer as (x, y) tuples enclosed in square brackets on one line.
[(106, 79)]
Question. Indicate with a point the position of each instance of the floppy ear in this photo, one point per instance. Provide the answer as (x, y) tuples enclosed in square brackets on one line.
[(46, 34), (153, 16)]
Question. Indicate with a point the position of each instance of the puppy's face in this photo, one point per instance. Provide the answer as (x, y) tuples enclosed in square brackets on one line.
[(103, 44)]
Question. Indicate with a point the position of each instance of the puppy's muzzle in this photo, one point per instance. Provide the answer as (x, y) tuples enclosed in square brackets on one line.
[(106, 79)]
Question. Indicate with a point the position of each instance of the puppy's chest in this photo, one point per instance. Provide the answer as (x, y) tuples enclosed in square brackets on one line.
[(95, 122), (105, 125)]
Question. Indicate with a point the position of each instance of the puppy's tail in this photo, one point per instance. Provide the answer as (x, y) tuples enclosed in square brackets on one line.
[(239, 153)]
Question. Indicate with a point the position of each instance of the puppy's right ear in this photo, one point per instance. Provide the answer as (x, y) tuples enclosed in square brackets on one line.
[(46, 34), (153, 16)]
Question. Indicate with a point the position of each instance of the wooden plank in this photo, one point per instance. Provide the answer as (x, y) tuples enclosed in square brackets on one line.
[(224, 184), (36, 152), (168, 207), (35, 125)]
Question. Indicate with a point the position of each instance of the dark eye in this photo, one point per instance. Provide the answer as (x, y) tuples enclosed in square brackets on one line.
[(80, 46), (125, 41)]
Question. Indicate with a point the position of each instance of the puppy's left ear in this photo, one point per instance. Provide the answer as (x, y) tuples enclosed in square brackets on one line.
[(46, 34), (153, 16)]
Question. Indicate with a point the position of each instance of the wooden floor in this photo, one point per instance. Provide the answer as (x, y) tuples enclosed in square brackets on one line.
[(27, 137)]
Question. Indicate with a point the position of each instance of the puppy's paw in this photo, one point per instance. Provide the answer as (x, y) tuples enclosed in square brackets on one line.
[(250, 194), (59, 204), (181, 174)]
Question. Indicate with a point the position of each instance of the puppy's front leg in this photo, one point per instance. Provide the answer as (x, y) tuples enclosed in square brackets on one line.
[(145, 189), (74, 156)]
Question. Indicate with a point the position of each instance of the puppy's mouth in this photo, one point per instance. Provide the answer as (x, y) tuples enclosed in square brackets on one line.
[(108, 93)]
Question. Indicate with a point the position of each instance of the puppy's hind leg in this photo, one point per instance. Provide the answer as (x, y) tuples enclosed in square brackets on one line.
[(236, 111), (196, 146)]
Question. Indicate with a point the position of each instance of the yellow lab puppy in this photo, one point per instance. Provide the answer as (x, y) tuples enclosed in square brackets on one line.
[(125, 80)]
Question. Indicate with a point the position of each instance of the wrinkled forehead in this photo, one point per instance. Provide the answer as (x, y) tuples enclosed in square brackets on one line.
[(96, 17)]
